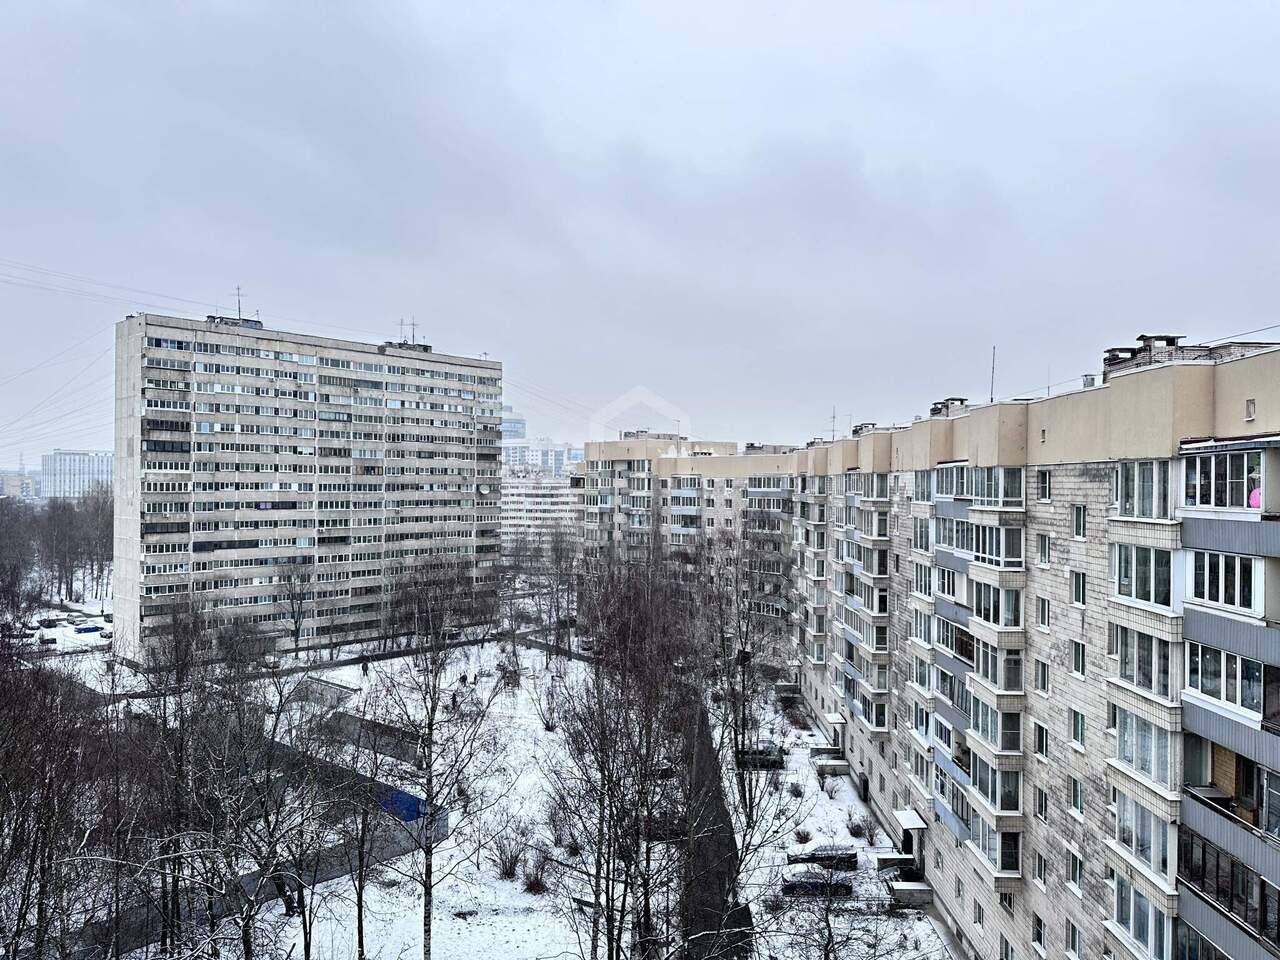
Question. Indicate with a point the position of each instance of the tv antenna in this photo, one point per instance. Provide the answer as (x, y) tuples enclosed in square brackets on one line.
[(239, 315)]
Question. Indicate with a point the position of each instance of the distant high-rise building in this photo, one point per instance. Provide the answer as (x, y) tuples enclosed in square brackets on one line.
[(513, 424), (279, 480), (534, 507), (73, 473), (539, 455)]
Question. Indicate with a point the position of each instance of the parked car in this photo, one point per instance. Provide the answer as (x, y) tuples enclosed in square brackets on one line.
[(50, 623), (48, 638), (829, 857), (110, 618), (814, 882), (75, 620), (88, 628), (765, 755), (107, 634)]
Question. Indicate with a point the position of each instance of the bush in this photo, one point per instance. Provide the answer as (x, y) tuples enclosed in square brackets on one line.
[(802, 835), (572, 847), (796, 789), (508, 854), (831, 787), (535, 873), (773, 904), (798, 718), (854, 823), (823, 779)]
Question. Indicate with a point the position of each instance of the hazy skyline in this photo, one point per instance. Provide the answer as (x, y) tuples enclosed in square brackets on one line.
[(756, 213)]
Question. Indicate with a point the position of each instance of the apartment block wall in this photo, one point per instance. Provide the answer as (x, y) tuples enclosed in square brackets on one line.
[(245, 455), (870, 645)]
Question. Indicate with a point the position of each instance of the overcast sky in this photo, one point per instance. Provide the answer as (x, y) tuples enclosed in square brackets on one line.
[(754, 212)]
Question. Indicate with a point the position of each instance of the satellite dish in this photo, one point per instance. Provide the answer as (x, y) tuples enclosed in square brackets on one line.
[(484, 488)]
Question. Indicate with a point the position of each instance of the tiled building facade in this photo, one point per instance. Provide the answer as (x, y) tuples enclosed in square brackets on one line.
[(268, 477), (1044, 633)]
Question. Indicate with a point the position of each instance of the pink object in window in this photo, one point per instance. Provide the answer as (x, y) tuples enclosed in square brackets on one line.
[(1255, 497)]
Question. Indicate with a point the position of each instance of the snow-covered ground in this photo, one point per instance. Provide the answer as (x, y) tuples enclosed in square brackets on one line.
[(476, 914)]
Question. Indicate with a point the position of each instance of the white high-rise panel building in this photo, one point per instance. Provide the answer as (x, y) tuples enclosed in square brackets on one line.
[(250, 461), (73, 473)]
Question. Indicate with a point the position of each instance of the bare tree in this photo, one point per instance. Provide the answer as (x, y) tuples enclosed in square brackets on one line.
[(458, 750)]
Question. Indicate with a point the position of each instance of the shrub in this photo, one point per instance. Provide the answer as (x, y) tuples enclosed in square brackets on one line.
[(773, 904), (796, 789), (802, 835), (854, 823), (823, 779), (831, 787), (535, 873), (508, 854), (797, 717), (572, 847)]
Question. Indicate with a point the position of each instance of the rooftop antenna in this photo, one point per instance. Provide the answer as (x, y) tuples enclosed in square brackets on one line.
[(993, 374), (413, 329), (833, 423), (239, 316), (402, 326)]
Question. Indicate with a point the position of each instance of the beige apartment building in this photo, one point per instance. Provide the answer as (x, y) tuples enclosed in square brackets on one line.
[(283, 480), (1045, 634)]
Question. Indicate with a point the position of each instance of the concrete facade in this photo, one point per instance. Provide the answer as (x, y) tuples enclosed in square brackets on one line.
[(253, 463)]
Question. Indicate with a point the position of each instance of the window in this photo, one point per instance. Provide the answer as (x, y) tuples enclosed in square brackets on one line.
[(1079, 526), (1072, 941), (1142, 489), (1144, 660), (1077, 588), (1002, 789), (1040, 733), (1042, 803), (1075, 870), (923, 579), (1077, 658), (1223, 480), (1042, 676), (959, 890), (1192, 945), (1143, 573), (1224, 676), (1140, 919), (1142, 746), (1042, 612), (1250, 409), (1000, 608), (944, 583), (997, 486), (1077, 727), (1042, 548), (1006, 949), (1044, 486), (1142, 833), (1037, 932), (1226, 579), (1006, 902), (1040, 868), (977, 914), (1075, 794)]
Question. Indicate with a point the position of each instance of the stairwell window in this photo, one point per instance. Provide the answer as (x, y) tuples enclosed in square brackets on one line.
[(1078, 591), (1079, 521)]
